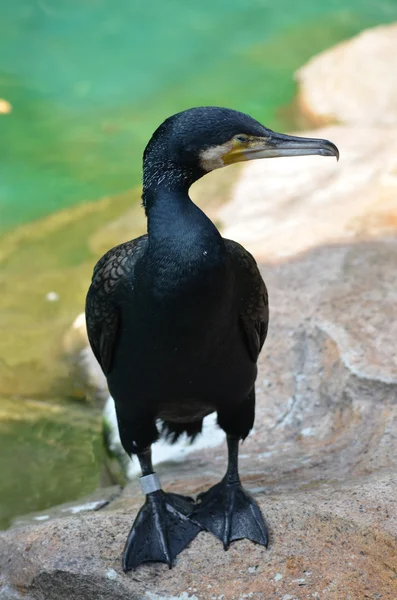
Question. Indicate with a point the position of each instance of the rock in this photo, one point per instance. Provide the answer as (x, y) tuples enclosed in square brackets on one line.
[(95, 501), (282, 207), (353, 82), (321, 461), (85, 372)]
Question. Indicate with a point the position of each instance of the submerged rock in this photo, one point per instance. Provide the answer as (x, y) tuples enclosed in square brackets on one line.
[(85, 371), (43, 261), (321, 461), (50, 452), (354, 82)]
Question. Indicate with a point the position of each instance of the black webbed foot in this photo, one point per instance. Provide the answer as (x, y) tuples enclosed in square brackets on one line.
[(230, 513), (160, 531)]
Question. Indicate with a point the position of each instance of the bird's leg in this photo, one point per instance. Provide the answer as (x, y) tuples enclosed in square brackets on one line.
[(227, 510), (162, 527), (145, 460)]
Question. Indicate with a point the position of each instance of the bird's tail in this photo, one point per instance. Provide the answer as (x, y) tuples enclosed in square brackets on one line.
[(172, 431)]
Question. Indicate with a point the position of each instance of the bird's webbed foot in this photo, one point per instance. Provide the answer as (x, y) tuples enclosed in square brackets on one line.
[(227, 510), (230, 513), (160, 531)]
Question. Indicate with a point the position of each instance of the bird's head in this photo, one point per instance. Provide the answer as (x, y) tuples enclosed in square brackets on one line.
[(199, 140)]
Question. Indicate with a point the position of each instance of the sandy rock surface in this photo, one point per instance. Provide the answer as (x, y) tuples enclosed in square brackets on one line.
[(321, 462), (354, 82)]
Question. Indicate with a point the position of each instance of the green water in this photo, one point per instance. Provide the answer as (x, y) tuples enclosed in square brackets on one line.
[(89, 80), (50, 453)]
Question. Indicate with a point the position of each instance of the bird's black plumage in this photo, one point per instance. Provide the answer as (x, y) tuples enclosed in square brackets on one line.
[(177, 318), (114, 279)]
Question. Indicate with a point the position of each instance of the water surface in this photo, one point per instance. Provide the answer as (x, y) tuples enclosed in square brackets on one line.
[(89, 80)]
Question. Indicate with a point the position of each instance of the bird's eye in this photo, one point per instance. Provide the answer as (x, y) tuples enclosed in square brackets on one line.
[(243, 139)]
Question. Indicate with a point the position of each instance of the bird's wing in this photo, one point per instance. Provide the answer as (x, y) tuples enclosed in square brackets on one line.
[(102, 310), (254, 305)]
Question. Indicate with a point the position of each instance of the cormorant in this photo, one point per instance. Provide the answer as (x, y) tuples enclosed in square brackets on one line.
[(177, 318)]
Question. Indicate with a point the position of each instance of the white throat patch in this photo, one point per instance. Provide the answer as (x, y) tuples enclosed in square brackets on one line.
[(212, 158)]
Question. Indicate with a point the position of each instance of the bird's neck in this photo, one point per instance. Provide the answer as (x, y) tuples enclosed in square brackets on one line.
[(170, 212), (177, 228), (173, 219), (162, 178), (186, 261)]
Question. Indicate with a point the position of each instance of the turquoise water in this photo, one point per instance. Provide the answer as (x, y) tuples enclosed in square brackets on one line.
[(89, 80)]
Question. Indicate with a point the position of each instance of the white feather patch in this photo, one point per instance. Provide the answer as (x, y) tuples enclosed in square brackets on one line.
[(212, 158)]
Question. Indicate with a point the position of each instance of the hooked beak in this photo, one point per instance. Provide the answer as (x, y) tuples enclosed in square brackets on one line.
[(279, 144)]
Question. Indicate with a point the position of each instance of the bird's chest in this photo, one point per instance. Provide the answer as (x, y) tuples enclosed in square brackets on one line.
[(181, 302), (187, 271), (180, 336), (180, 277)]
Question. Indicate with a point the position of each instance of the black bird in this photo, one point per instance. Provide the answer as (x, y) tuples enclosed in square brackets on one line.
[(177, 318)]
